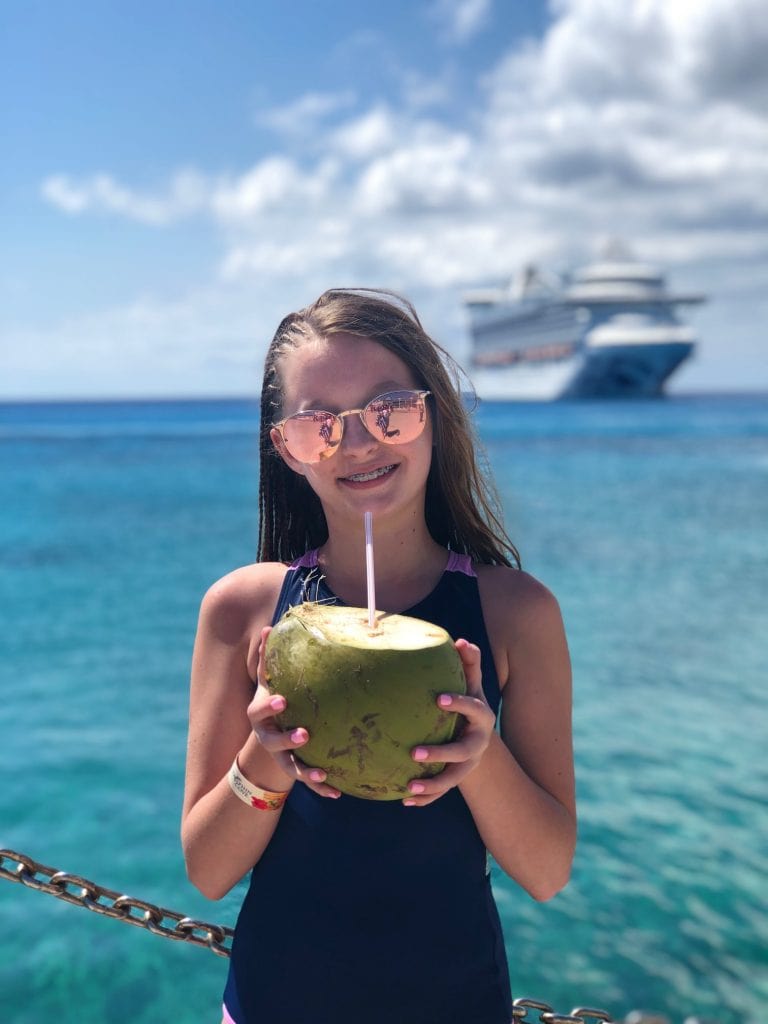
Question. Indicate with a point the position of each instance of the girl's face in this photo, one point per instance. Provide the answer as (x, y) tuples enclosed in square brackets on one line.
[(345, 372)]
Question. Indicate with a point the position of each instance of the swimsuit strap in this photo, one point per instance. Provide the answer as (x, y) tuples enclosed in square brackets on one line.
[(460, 563), (307, 561)]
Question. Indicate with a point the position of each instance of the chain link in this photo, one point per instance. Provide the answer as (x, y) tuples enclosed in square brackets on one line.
[(547, 1014), (81, 892)]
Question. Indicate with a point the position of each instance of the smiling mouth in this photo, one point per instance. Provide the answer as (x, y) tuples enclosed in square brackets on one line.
[(372, 475)]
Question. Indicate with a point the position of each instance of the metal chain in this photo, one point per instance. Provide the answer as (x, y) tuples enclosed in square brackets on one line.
[(81, 892), (548, 1015)]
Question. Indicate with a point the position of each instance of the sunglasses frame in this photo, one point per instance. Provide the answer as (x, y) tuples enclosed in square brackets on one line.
[(420, 394)]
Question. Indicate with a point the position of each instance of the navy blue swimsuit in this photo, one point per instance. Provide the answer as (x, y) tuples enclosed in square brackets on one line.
[(369, 912)]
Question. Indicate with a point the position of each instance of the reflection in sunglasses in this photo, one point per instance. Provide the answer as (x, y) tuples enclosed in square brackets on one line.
[(382, 422), (325, 429)]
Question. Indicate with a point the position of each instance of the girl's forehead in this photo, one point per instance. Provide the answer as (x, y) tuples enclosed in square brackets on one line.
[(339, 366)]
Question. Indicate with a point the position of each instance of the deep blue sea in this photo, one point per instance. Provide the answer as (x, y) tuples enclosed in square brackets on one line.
[(649, 521)]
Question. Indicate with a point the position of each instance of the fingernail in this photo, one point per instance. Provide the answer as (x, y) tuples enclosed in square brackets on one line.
[(277, 703), (417, 787), (298, 736), (445, 700), (335, 794), (316, 775), (409, 803), (420, 754)]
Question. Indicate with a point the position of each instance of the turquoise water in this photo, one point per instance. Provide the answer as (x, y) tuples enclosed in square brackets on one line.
[(650, 523)]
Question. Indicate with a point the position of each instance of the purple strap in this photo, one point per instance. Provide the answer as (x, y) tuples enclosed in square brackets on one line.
[(460, 563), (307, 561)]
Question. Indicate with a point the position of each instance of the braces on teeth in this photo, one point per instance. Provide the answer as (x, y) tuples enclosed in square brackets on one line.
[(372, 475)]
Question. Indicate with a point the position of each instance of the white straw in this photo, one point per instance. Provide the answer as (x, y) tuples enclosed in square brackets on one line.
[(368, 520)]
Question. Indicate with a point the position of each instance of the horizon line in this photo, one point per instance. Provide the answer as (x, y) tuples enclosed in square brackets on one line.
[(235, 397)]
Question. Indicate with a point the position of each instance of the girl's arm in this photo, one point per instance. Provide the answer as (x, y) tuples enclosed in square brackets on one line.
[(519, 784), (222, 837)]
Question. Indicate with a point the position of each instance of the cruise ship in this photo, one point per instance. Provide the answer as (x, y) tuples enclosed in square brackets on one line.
[(609, 331)]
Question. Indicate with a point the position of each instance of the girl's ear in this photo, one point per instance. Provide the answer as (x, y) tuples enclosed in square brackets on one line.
[(279, 444)]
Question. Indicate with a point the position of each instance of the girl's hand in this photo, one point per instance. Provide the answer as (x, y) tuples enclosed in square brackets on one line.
[(282, 745), (463, 754)]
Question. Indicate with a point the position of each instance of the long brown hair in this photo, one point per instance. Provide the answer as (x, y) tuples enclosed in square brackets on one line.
[(462, 509)]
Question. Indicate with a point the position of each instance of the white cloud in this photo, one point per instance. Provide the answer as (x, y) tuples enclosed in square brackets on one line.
[(609, 119), (321, 243), (59, 191), (682, 52), (429, 174), (185, 195), (273, 183), (459, 20), (364, 137), (304, 114)]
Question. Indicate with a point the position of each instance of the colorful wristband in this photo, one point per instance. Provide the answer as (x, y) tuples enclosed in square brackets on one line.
[(252, 795)]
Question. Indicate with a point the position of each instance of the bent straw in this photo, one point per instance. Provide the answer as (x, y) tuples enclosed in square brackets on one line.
[(368, 520)]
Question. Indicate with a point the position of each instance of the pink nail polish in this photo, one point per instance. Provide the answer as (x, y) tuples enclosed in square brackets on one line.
[(316, 775), (298, 736), (417, 787), (445, 700), (277, 703), (420, 754), (409, 803)]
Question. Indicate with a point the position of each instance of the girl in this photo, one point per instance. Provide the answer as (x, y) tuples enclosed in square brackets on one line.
[(357, 910)]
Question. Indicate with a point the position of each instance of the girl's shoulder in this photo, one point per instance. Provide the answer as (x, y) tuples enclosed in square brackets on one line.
[(515, 602), (244, 599), (522, 619), (508, 583)]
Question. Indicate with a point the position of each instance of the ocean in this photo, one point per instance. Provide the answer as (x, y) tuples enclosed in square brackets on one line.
[(648, 520)]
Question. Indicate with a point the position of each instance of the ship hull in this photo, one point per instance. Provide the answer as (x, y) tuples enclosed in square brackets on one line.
[(607, 371), (627, 371)]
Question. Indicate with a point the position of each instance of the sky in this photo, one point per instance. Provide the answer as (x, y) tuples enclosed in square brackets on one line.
[(178, 176)]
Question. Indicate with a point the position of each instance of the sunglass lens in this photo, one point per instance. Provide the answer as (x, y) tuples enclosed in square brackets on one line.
[(396, 418), (312, 435)]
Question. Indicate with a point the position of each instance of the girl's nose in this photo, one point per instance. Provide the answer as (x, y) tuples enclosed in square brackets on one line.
[(356, 437)]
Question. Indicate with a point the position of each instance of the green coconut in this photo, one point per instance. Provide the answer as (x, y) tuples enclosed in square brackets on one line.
[(366, 696)]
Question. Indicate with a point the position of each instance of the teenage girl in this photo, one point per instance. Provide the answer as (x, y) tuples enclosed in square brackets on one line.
[(357, 910)]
